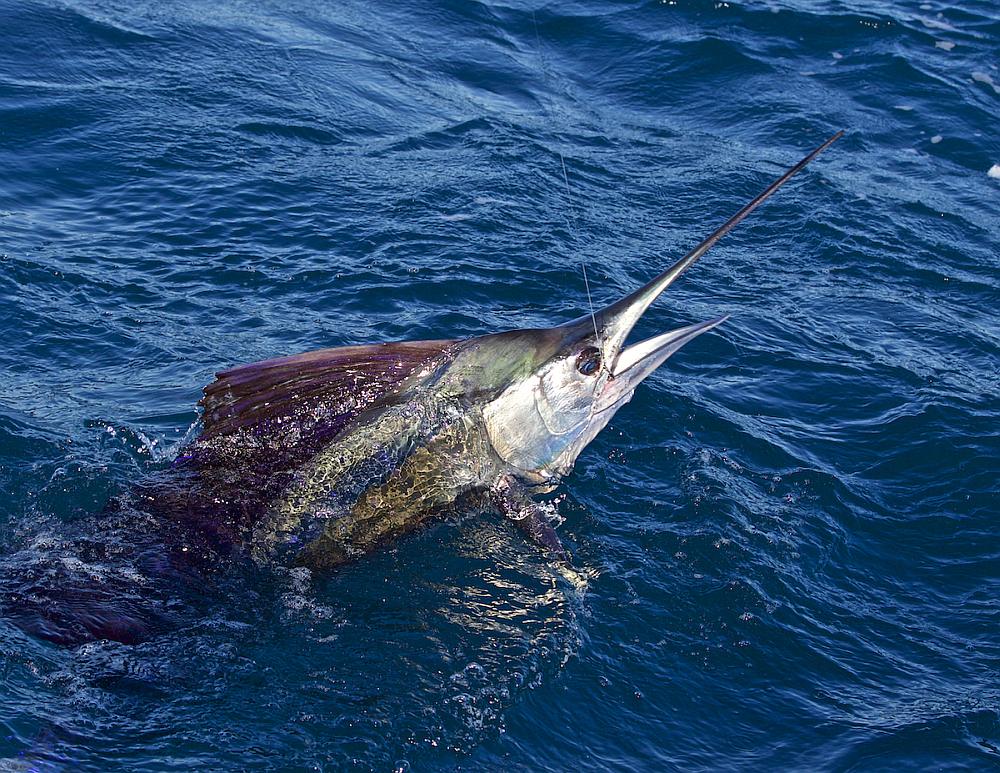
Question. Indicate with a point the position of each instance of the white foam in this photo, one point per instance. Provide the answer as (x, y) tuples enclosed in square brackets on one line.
[(936, 24), (947, 45), (994, 172), (936, 139), (300, 597), (984, 77)]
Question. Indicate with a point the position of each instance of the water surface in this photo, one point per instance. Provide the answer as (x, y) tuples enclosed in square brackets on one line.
[(791, 533)]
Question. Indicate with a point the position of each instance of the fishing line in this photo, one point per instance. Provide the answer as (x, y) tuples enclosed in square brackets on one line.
[(590, 301), (571, 209)]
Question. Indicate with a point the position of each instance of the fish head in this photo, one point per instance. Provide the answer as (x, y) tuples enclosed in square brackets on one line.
[(571, 381)]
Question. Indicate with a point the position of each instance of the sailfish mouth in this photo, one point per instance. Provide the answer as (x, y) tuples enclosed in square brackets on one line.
[(628, 366), (639, 360)]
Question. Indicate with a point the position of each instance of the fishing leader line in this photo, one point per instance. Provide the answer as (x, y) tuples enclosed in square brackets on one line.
[(571, 208)]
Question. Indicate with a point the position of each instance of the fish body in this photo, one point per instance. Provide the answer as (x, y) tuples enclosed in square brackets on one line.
[(407, 452), (394, 469)]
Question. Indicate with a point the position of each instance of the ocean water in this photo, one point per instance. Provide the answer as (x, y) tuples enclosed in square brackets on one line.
[(790, 536)]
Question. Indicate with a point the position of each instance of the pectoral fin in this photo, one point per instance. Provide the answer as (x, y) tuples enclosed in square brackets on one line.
[(531, 517)]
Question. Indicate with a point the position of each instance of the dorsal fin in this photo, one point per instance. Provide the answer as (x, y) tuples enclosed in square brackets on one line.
[(332, 385)]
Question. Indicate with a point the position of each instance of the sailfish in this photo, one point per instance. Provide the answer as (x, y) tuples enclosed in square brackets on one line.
[(365, 443), (318, 459)]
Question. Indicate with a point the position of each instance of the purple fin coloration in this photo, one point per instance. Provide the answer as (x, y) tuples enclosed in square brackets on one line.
[(333, 382)]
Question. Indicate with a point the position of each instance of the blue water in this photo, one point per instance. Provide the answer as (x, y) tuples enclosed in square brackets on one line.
[(790, 534)]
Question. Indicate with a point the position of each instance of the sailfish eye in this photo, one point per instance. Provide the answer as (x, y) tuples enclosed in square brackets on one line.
[(588, 362)]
